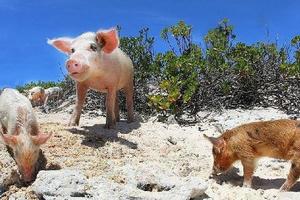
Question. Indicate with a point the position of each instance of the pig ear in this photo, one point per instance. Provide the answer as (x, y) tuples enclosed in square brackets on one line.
[(41, 138), (220, 145), (10, 140), (62, 44), (108, 39), (211, 139)]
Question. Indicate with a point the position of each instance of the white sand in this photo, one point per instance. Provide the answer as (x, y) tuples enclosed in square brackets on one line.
[(97, 151)]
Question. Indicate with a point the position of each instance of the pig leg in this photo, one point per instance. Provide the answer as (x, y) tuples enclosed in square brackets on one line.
[(117, 110), (81, 91), (46, 101), (292, 177), (110, 109), (248, 167), (45, 104), (129, 102)]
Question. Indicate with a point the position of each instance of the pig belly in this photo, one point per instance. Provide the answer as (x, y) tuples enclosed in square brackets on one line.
[(270, 151), (102, 84)]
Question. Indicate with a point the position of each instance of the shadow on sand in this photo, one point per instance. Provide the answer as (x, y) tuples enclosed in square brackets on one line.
[(96, 135), (233, 178)]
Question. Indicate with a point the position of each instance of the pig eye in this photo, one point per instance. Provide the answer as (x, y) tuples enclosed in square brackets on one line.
[(72, 50), (93, 47)]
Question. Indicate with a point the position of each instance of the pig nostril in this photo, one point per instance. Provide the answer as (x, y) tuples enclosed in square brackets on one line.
[(76, 65)]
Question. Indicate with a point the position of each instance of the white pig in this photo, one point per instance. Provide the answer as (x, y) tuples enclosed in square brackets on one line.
[(19, 130), (96, 62), (52, 93)]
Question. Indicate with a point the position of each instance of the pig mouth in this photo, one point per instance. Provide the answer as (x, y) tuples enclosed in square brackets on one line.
[(75, 74)]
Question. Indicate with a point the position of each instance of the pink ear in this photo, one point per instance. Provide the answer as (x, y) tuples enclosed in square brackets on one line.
[(62, 44), (221, 144), (41, 138), (109, 39), (10, 140)]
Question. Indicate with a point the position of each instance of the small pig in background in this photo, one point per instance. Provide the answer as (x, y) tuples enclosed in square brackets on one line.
[(40, 96), (96, 62), (36, 95), (19, 130), (52, 93), (276, 139)]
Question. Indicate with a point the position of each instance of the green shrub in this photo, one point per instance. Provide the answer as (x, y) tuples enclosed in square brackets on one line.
[(140, 50), (179, 70), (293, 68)]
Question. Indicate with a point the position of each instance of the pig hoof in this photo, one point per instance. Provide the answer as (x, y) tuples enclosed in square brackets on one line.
[(130, 120), (73, 124), (109, 126), (284, 188), (212, 176), (247, 185)]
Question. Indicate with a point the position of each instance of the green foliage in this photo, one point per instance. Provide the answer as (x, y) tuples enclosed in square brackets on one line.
[(228, 75), (44, 84), (179, 70), (140, 50), (292, 68), (181, 33), (218, 44), (244, 57)]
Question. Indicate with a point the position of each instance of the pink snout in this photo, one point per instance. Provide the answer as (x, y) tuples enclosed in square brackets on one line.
[(74, 67), (28, 174)]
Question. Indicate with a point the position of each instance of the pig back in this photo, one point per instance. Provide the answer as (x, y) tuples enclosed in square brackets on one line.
[(10, 101), (113, 69)]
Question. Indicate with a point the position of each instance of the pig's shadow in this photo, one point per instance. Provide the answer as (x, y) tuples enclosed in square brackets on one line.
[(42, 163), (234, 178), (96, 135)]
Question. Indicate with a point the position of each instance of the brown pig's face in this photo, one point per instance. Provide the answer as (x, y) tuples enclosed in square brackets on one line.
[(222, 156)]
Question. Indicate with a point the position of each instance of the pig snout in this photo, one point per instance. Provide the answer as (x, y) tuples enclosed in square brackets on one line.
[(28, 174), (74, 66)]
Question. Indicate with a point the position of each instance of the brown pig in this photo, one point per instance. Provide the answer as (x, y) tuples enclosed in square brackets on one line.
[(96, 62), (276, 139), (19, 130), (36, 96)]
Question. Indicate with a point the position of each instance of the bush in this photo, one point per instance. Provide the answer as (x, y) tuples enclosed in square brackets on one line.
[(179, 71), (229, 74), (140, 51)]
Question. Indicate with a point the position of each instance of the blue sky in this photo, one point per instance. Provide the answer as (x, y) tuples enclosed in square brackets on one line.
[(25, 26)]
